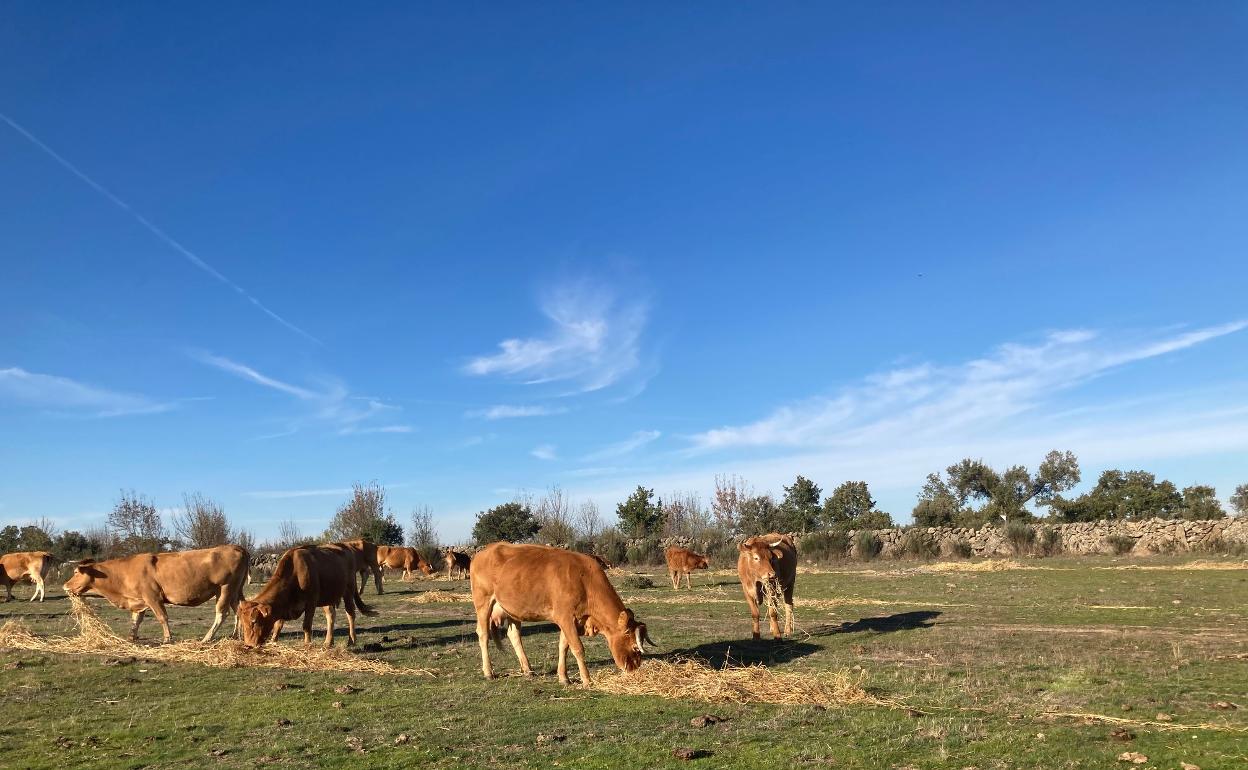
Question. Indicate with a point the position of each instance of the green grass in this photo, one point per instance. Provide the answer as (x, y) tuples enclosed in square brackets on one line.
[(982, 655)]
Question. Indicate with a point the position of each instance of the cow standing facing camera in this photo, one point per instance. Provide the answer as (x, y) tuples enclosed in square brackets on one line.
[(768, 564)]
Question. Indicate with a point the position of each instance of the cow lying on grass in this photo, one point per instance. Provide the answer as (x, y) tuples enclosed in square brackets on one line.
[(149, 581), (767, 564), (26, 565), (306, 577), (516, 583), (682, 561)]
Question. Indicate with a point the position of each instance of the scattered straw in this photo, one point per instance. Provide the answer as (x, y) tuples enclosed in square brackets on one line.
[(989, 565), (96, 638), (685, 679), (1199, 564), (1145, 722), (440, 597)]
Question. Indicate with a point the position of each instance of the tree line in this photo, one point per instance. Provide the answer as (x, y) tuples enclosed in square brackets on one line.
[(969, 494)]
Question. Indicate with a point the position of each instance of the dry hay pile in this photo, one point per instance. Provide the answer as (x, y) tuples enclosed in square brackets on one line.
[(96, 638), (685, 679), (989, 565), (1199, 564), (440, 597)]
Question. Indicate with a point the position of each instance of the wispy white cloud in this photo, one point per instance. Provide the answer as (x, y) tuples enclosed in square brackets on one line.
[(621, 448), (333, 404), (930, 401), (294, 493), (62, 394), (167, 239), (506, 411), (593, 341), (544, 452)]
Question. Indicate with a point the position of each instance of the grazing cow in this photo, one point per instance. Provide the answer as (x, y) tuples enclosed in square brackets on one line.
[(516, 583), (26, 565), (682, 561), (306, 577), (149, 581), (456, 560), (404, 558), (368, 559), (768, 561)]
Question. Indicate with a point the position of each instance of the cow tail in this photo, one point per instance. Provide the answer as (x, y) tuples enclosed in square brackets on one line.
[(359, 602)]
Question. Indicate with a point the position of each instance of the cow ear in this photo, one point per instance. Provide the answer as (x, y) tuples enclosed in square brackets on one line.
[(776, 553), (743, 545), (623, 620), (265, 610)]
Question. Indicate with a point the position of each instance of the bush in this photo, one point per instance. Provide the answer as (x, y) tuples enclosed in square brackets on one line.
[(915, 545), (1049, 542), (829, 545), (1020, 536), (721, 550), (612, 546), (960, 549), (1221, 545), (1120, 544), (637, 581), (645, 552), (866, 545)]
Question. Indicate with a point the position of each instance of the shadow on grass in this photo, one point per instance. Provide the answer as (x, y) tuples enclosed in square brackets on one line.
[(744, 652), (902, 621)]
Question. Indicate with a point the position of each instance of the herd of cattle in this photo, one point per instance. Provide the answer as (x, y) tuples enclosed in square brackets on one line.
[(511, 584)]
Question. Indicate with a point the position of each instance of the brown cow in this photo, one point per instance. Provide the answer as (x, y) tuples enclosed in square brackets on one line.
[(456, 560), (26, 565), (404, 558), (306, 577), (771, 560), (515, 583), (682, 561), (149, 581), (368, 559)]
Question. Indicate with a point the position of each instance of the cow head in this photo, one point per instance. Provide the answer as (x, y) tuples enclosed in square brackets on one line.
[(758, 559), (256, 621), (627, 640), (423, 565), (83, 580), (701, 562)]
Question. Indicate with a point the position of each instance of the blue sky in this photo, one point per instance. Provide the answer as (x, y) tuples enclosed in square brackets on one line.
[(263, 252)]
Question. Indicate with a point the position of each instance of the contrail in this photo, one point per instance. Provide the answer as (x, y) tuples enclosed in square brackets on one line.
[(153, 229)]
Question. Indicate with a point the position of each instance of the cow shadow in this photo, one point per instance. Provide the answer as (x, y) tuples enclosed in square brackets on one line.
[(902, 621), (744, 652), (397, 627)]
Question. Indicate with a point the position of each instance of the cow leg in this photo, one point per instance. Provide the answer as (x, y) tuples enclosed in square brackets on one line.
[(376, 579), (689, 580), (158, 609), (277, 629), (751, 599), (37, 579), (363, 576), (513, 636), (136, 617), (8, 592), (567, 630), (329, 623), (675, 578), (788, 611), (562, 666), (223, 604), (307, 625), (483, 637), (773, 621)]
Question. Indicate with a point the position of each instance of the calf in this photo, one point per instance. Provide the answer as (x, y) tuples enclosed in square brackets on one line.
[(456, 560), (682, 561), (516, 583), (149, 581), (306, 577), (404, 558), (771, 561), (26, 565)]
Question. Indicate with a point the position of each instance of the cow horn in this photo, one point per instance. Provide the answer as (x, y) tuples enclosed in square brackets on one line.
[(775, 544), (637, 637), (645, 634)]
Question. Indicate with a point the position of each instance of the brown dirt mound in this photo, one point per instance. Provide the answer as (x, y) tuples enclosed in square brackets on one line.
[(96, 638), (694, 680)]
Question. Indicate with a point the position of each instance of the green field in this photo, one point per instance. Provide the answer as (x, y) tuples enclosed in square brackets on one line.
[(980, 659)]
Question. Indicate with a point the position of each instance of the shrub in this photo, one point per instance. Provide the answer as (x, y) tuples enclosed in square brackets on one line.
[(1020, 536), (1049, 541), (643, 552), (960, 549), (866, 545), (1225, 547), (721, 549), (825, 546), (915, 545), (612, 546), (1120, 544), (637, 581)]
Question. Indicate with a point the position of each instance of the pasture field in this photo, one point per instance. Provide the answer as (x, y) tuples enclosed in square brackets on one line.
[(981, 668)]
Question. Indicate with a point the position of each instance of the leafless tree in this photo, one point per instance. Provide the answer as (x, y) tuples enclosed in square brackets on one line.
[(423, 532), (365, 515), (685, 515), (730, 493), (553, 512), (136, 524), (589, 523), (288, 535), (201, 523)]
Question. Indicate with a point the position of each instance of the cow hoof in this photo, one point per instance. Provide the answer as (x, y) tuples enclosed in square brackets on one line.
[(757, 637)]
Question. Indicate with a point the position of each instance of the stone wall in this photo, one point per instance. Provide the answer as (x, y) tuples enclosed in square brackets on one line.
[(1150, 536)]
